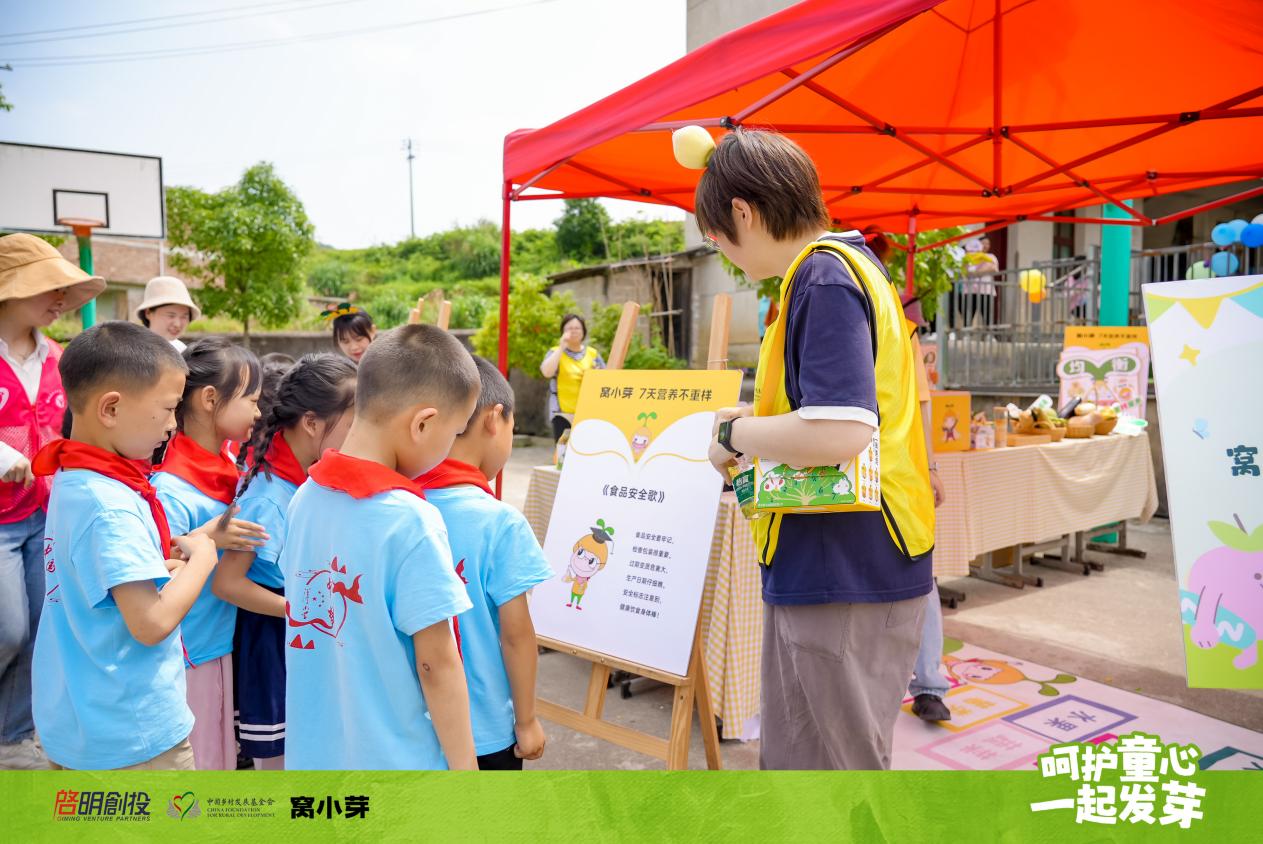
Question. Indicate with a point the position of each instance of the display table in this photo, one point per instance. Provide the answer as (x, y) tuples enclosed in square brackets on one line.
[(732, 606), (1005, 497), (996, 500)]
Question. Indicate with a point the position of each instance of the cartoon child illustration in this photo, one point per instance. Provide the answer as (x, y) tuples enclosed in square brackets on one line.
[(589, 555), (997, 672), (843, 487), (640, 439), (949, 428)]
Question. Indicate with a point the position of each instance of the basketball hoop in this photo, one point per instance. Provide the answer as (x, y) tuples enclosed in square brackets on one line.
[(82, 226)]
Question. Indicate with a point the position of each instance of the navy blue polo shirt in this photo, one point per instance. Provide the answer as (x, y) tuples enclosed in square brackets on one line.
[(824, 558)]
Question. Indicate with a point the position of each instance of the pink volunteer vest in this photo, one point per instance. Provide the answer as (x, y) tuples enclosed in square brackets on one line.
[(28, 428)]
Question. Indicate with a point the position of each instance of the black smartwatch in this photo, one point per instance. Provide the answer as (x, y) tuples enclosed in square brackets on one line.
[(725, 436)]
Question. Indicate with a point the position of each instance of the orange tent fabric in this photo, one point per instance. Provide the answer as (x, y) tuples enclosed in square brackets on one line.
[(948, 112)]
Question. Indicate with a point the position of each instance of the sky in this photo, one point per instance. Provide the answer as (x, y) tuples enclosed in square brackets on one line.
[(331, 113)]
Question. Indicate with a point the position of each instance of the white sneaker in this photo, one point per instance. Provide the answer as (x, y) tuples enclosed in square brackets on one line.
[(26, 755)]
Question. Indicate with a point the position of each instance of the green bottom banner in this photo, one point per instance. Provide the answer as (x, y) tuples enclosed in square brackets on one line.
[(379, 806)]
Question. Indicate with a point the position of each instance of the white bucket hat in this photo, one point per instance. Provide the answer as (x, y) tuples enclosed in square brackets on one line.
[(167, 290)]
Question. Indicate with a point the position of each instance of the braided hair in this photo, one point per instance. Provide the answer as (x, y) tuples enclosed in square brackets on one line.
[(273, 371), (322, 384), (215, 362)]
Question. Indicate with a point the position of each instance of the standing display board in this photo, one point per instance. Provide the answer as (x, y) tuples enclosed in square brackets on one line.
[(1207, 337), (654, 585), (1106, 365), (631, 527)]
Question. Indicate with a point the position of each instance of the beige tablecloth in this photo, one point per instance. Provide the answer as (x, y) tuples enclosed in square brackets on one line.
[(1005, 496), (732, 605)]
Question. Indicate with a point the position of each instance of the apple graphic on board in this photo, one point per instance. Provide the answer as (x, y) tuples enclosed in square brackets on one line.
[(1230, 577)]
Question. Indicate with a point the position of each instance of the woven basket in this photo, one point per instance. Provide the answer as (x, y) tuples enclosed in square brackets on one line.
[(1082, 427), (1058, 434), (1105, 426)]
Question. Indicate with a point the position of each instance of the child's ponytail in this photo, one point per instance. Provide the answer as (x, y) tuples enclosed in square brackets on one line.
[(321, 384)]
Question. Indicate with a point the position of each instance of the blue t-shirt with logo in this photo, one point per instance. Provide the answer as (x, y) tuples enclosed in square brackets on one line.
[(264, 502), (498, 557), (361, 577), (209, 626), (101, 699), (826, 558)]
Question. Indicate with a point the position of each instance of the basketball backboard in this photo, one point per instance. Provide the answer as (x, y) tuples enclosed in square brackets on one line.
[(47, 189)]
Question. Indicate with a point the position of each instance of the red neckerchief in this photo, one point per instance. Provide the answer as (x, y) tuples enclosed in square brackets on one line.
[(358, 478), (72, 454), (454, 473), (214, 475), (282, 462)]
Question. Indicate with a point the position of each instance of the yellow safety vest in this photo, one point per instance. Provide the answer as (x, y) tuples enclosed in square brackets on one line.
[(569, 375), (906, 496)]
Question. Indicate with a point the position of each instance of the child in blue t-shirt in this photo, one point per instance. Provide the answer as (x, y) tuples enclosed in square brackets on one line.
[(373, 673), (308, 411), (499, 560), (197, 481), (108, 671)]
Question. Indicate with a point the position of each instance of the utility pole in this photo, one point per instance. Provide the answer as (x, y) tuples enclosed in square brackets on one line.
[(412, 214)]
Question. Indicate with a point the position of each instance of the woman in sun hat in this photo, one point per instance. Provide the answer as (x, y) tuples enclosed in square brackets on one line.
[(168, 309), (37, 285)]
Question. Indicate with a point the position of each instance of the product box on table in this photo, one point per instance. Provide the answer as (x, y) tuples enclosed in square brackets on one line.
[(949, 420)]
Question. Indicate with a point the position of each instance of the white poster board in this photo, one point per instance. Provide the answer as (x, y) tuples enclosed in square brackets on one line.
[(630, 534), (1207, 340)]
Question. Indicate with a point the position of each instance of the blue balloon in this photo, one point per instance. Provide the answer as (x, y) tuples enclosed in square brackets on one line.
[(1224, 263), (1252, 235), (1223, 235), (1238, 225)]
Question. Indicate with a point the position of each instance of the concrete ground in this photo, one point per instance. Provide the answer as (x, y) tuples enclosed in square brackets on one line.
[(1120, 627)]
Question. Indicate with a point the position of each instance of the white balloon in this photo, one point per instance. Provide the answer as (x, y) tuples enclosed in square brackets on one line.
[(1258, 219)]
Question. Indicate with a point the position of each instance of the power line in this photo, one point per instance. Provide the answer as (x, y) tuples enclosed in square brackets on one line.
[(75, 60), (256, 11), (144, 20)]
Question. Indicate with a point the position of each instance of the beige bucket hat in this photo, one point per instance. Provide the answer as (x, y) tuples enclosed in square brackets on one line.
[(30, 266), (167, 290)]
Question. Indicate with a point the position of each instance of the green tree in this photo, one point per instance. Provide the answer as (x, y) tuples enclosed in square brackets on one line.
[(582, 230), (534, 325), (641, 238), (246, 243), (5, 105), (331, 277), (935, 270)]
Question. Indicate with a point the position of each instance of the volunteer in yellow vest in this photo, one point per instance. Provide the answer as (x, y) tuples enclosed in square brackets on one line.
[(844, 592), (565, 364)]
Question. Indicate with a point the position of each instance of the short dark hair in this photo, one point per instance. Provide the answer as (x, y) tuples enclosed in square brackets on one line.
[(770, 172), (495, 389), (116, 354), (582, 324), (411, 364), (358, 324), (278, 359)]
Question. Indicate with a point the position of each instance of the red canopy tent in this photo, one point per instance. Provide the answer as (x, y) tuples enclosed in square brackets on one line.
[(935, 113)]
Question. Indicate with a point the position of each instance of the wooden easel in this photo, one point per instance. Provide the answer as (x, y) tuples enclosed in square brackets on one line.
[(442, 309), (689, 689)]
